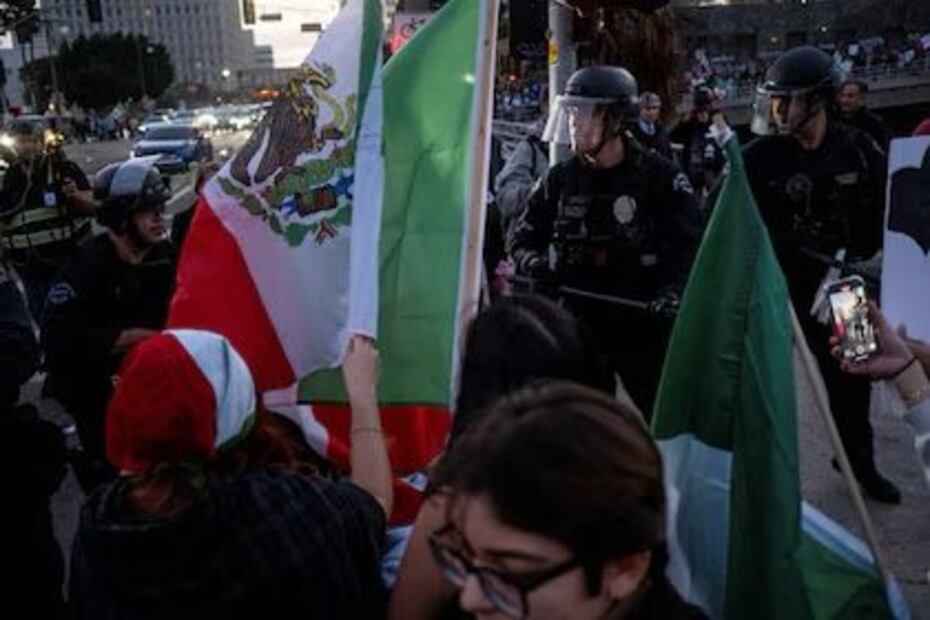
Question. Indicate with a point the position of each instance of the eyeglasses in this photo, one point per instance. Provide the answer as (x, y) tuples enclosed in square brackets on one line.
[(506, 591)]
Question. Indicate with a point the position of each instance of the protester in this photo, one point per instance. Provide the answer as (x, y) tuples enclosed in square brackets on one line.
[(211, 516), (649, 130), (112, 293), (44, 211), (820, 187), (616, 220), (32, 466), (544, 342), (528, 163), (557, 510), (905, 364)]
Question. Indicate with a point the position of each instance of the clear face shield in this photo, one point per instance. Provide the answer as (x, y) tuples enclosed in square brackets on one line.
[(576, 122), (780, 111)]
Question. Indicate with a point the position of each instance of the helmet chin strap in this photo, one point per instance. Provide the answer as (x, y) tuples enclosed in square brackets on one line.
[(591, 156), (809, 114)]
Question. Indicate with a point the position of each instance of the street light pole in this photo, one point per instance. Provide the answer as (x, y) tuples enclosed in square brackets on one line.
[(52, 61), (563, 60)]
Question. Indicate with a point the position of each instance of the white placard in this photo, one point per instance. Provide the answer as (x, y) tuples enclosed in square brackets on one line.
[(906, 264)]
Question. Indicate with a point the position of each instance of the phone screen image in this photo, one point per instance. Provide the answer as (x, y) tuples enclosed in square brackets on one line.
[(851, 322)]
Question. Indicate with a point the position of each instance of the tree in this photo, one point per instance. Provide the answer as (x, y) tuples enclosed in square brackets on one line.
[(636, 34), (99, 71), (643, 41)]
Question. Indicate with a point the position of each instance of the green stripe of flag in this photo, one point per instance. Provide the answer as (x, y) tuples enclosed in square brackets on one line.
[(726, 422), (429, 89)]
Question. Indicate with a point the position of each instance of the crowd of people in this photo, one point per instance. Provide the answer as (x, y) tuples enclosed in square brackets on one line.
[(548, 500)]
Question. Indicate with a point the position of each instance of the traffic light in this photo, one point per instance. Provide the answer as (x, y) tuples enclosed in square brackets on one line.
[(248, 12), (94, 13)]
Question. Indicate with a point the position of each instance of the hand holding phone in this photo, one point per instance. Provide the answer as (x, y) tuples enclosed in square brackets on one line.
[(852, 328)]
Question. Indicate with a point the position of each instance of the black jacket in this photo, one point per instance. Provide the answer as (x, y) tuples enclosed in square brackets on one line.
[(630, 230), (95, 297), (658, 141), (264, 544), (32, 466), (822, 200), (871, 124), (702, 158)]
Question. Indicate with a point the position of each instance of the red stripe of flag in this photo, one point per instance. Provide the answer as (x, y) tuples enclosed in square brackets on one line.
[(215, 292)]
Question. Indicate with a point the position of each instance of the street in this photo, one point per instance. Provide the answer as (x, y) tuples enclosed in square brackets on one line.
[(92, 156)]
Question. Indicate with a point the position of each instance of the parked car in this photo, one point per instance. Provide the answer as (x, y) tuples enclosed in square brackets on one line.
[(178, 145)]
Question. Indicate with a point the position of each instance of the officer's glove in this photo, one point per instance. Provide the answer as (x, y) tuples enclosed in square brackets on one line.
[(665, 304)]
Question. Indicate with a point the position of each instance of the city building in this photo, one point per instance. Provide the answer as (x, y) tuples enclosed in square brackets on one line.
[(205, 38)]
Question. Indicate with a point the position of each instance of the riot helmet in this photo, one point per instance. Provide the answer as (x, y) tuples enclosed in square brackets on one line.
[(604, 96), (805, 74), (128, 187)]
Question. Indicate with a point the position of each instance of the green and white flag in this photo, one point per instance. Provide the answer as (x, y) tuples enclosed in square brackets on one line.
[(742, 542)]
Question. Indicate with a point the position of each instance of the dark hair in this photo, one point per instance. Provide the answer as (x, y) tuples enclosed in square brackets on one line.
[(169, 490), (568, 463), (520, 339)]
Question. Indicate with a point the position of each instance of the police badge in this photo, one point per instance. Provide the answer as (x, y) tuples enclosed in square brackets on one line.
[(625, 209)]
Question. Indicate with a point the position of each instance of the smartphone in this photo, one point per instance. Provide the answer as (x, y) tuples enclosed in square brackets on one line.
[(851, 324)]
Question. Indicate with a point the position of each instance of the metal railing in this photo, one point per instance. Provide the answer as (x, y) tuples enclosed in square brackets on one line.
[(742, 90)]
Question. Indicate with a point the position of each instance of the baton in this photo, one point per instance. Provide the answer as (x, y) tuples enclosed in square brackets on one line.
[(571, 291)]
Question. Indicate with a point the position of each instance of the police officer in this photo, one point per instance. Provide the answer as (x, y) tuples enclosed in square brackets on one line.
[(45, 209), (112, 293), (701, 157), (620, 220), (820, 187)]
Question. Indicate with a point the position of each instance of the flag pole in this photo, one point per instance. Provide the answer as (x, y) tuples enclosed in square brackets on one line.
[(823, 405), (469, 297)]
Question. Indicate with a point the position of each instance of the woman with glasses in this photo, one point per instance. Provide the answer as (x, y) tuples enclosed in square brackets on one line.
[(556, 509), (512, 343)]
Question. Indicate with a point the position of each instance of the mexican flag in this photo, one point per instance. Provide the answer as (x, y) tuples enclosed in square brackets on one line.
[(348, 213), (742, 542)]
